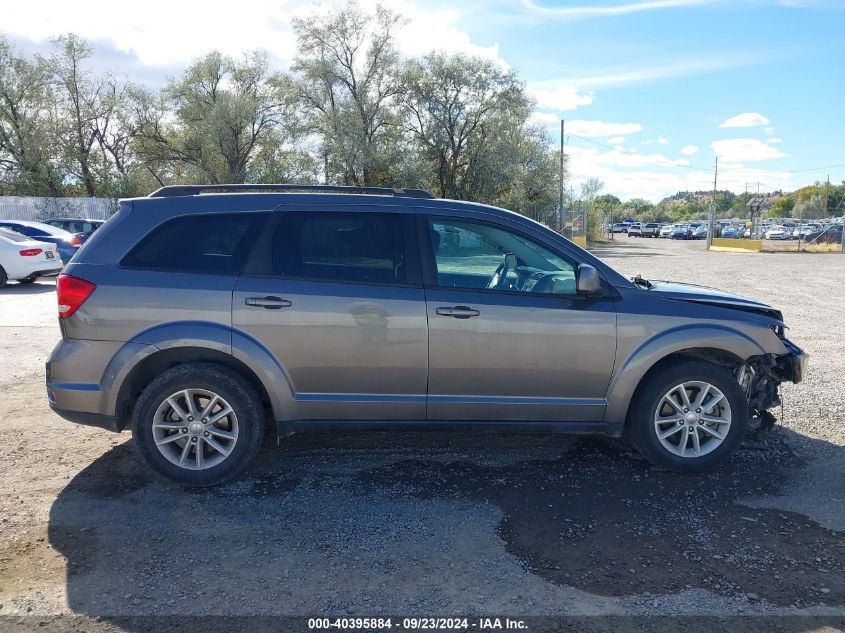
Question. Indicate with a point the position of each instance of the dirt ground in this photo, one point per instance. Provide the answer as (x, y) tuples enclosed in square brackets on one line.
[(413, 524)]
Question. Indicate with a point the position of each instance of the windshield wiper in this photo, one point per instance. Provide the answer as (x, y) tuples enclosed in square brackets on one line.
[(642, 281)]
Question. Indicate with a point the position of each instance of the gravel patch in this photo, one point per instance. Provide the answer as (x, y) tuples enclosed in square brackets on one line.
[(441, 523)]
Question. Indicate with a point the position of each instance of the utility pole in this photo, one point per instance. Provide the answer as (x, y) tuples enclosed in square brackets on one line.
[(826, 189), (560, 219), (712, 213)]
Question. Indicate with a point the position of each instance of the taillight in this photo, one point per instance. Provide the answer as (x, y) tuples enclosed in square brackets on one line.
[(76, 241), (72, 292), (30, 252)]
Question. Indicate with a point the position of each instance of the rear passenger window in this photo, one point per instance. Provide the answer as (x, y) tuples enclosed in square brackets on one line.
[(362, 247), (207, 243)]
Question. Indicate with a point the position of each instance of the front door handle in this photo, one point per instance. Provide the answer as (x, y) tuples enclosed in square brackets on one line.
[(271, 303), (458, 312)]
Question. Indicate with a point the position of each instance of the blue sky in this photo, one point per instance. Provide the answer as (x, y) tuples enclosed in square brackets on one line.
[(652, 90)]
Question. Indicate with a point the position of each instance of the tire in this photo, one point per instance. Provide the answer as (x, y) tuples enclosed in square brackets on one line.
[(240, 432), (27, 280), (3, 278), (649, 412)]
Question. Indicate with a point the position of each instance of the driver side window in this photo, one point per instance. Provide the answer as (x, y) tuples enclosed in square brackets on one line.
[(480, 256)]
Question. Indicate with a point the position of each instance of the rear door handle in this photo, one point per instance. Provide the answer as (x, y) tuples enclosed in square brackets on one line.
[(271, 303), (458, 312)]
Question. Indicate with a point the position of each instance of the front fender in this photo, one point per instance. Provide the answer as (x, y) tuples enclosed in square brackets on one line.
[(634, 367)]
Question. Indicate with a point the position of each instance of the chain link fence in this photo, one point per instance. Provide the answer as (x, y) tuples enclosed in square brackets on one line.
[(39, 209)]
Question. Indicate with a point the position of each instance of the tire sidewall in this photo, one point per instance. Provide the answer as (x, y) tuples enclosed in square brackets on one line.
[(641, 419), (231, 387)]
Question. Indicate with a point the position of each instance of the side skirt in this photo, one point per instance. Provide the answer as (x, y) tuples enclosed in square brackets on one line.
[(288, 427)]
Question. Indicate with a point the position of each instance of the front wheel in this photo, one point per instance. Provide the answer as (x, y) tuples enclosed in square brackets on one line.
[(198, 424), (689, 417)]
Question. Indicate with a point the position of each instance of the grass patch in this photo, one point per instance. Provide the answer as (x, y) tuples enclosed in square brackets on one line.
[(823, 248)]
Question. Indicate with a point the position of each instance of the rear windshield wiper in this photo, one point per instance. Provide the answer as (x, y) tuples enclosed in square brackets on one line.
[(642, 281)]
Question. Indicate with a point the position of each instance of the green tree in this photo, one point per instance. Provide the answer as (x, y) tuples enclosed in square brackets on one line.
[(782, 207), (28, 160), (458, 109), (347, 70), (223, 112)]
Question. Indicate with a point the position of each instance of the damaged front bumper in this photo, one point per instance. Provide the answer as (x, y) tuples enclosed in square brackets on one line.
[(793, 365), (768, 371)]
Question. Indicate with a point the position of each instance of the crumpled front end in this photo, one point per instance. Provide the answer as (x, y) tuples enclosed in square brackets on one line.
[(762, 376)]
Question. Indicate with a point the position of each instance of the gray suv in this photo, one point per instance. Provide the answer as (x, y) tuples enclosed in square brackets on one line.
[(201, 315)]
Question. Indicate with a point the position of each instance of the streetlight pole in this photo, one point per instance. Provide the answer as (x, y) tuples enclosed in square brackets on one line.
[(560, 219)]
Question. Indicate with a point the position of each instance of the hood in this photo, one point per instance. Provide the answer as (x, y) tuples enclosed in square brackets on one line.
[(711, 296)]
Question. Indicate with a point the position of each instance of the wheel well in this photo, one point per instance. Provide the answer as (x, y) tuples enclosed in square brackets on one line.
[(155, 364), (710, 354)]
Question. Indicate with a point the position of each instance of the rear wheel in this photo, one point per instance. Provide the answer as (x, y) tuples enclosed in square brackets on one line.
[(198, 424), (689, 417), (3, 277)]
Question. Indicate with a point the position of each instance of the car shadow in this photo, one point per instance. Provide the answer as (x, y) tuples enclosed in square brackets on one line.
[(584, 513), (40, 286)]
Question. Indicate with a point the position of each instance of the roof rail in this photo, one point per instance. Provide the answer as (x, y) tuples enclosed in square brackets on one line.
[(194, 190)]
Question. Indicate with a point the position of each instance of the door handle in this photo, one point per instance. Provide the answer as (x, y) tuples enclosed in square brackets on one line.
[(270, 303), (458, 312)]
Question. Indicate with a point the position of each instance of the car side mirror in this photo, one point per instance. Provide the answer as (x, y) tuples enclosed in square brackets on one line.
[(588, 281)]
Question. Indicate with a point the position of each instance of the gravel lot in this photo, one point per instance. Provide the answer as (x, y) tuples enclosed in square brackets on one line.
[(439, 524)]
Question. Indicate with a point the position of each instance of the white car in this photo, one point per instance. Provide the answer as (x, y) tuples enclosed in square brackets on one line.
[(666, 230), (24, 259), (777, 233)]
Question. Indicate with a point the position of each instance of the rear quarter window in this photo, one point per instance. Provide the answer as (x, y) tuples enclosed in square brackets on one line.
[(206, 243)]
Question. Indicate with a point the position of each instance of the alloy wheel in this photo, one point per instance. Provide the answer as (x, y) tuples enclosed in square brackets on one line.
[(692, 419), (195, 429)]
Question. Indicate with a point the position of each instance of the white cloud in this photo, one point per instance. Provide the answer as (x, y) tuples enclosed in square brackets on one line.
[(594, 11), (681, 68), (559, 97), (775, 140), (662, 140), (654, 176), (769, 130), (746, 119), (598, 129), (615, 140), (689, 150), (167, 33), (745, 149)]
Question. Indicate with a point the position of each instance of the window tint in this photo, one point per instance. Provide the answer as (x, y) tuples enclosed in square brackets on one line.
[(212, 243), (362, 247), (478, 256)]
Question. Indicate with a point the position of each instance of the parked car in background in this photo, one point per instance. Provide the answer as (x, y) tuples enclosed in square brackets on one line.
[(730, 232), (619, 227), (777, 232), (700, 232), (84, 228), (806, 229), (201, 315), (831, 234), (682, 232), (635, 230), (24, 260), (666, 230), (650, 229), (68, 243)]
